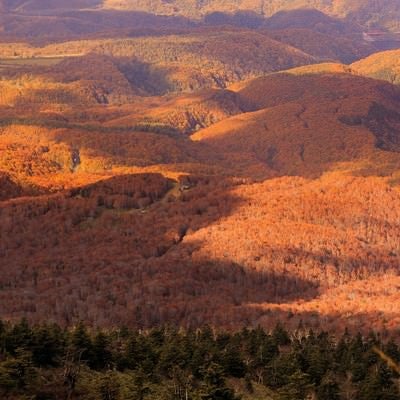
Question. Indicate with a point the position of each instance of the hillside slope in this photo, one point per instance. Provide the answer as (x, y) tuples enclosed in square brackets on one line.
[(383, 12), (180, 62), (329, 47), (277, 211), (383, 65), (309, 120)]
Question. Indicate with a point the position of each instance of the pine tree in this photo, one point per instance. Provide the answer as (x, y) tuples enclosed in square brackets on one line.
[(298, 388), (329, 388), (101, 354), (280, 335), (141, 386), (232, 361), (213, 386), (109, 386), (47, 345), (17, 373), (82, 343)]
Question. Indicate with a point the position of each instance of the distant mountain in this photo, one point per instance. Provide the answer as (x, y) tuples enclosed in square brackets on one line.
[(319, 34), (48, 5), (366, 12)]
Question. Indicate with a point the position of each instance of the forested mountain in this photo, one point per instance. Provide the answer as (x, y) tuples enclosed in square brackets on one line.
[(30, 18), (183, 62), (108, 167), (366, 12)]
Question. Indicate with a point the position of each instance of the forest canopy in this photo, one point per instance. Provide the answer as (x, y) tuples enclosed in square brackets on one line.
[(48, 362)]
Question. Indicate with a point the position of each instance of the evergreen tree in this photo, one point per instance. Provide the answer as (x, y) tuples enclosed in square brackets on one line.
[(214, 387), (109, 386), (232, 361), (280, 335), (298, 388), (19, 337), (141, 387), (17, 373), (47, 346), (329, 388), (101, 355), (81, 343)]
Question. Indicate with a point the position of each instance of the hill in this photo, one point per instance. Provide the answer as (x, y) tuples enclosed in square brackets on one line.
[(54, 20), (383, 65), (39, 25), (327, 47), (179, 62), (382, 12), (327, 37), (264, 215), (199, 166), (311, 19), (296, 249), (290, 137)]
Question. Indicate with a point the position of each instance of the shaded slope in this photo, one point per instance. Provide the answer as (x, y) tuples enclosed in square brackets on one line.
[(9, 189), (343, 48), (311, 19), (46, 26), (48, 5)]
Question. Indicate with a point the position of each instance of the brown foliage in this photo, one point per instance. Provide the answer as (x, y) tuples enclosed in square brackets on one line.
[(279, 210)]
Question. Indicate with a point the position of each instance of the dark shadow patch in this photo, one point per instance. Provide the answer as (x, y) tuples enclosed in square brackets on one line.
[(383, 122)]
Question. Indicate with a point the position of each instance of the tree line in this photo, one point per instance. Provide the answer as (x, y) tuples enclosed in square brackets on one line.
[(51, 362)]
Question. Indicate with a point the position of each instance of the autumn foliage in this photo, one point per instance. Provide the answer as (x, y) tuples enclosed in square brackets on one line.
[(181, 178)]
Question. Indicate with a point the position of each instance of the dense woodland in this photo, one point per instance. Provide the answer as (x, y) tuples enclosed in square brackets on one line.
[(151, 211), (142, 250), (45, 362)]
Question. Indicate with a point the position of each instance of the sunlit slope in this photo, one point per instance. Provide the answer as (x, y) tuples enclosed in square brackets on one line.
[(307, 122), (37, 156), (185, 62), (83, 118), (184, 113), (384, 65), (112, 195)]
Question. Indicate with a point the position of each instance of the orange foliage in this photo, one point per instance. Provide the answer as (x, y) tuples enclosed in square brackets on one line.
[(275, 207)]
